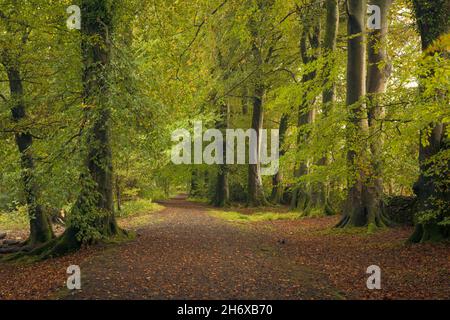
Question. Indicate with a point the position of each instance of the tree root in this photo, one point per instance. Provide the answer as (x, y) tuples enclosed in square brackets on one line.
[(379, 219), (429, 233), (65, 244)]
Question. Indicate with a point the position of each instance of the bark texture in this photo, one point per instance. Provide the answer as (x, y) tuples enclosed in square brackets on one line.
[(92, 217), (432, 188), (256, 196), (277, 179), (360, 204), (222, 194), (320, 191), (378, 71), (40, 226), (310, 40)]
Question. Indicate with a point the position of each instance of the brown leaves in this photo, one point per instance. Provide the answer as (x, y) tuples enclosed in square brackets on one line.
[(187, 254)]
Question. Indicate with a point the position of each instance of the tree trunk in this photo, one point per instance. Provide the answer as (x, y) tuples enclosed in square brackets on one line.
[(360, 203), (92, 217), (40, 226), (277, 179), (256, 195), (320, 190), (433, 189), (222, 194), (301, 196), (329, 46), (194, 190), (118, 194), (377, 75)]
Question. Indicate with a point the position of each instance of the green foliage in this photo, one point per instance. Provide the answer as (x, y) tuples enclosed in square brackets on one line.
[(175, 62)]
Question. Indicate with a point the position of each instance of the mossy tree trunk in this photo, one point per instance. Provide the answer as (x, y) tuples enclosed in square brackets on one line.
[(433, 187), (92, 217), (40, 226)]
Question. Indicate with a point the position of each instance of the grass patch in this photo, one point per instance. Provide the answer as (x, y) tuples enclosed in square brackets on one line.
[(14, 220), (137, 222), (254, 217), (352, 231), (138, 213), (138, 207), (199, 200)]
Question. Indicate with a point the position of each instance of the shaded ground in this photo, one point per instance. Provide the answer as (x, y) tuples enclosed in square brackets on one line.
[(185, 253)]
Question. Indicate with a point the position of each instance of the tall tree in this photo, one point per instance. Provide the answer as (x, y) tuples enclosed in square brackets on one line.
[(378, 69), (40, 226), (433, 186), (320, 190), (359, 203), (92, 216), (309, 53), (329, 46), (222, 194), (277, 179), (256, 196)]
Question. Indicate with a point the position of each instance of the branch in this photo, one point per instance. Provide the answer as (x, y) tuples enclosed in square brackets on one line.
[(199, 27)]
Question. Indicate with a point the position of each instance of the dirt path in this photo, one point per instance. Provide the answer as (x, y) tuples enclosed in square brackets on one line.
[(190, 255)]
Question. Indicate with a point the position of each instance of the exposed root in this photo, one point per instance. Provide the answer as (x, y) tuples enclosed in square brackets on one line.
[(429, 233), (65, 244)]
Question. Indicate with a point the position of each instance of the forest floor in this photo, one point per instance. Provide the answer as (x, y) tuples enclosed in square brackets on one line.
[(188, 251)]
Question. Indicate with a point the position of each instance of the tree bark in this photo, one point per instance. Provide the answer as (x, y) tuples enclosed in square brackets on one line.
[(433, 189), (377, 75), (301, 196), (92, 217), (118, 194), (222, 194), (320, 191), (256, 195), (329, 46), (195, 188), (40, 226), (359, 204), (277, 179)]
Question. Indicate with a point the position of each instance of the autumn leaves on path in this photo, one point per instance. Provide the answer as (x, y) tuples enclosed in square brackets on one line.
[(189, 251), (187, 254)]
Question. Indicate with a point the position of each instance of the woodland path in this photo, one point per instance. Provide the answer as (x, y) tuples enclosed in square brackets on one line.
[(187, 254)]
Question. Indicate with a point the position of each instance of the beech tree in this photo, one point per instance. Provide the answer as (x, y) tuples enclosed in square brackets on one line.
[(92, 217), (18, 31), (378, 69), (433, 186), (359, 204)]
